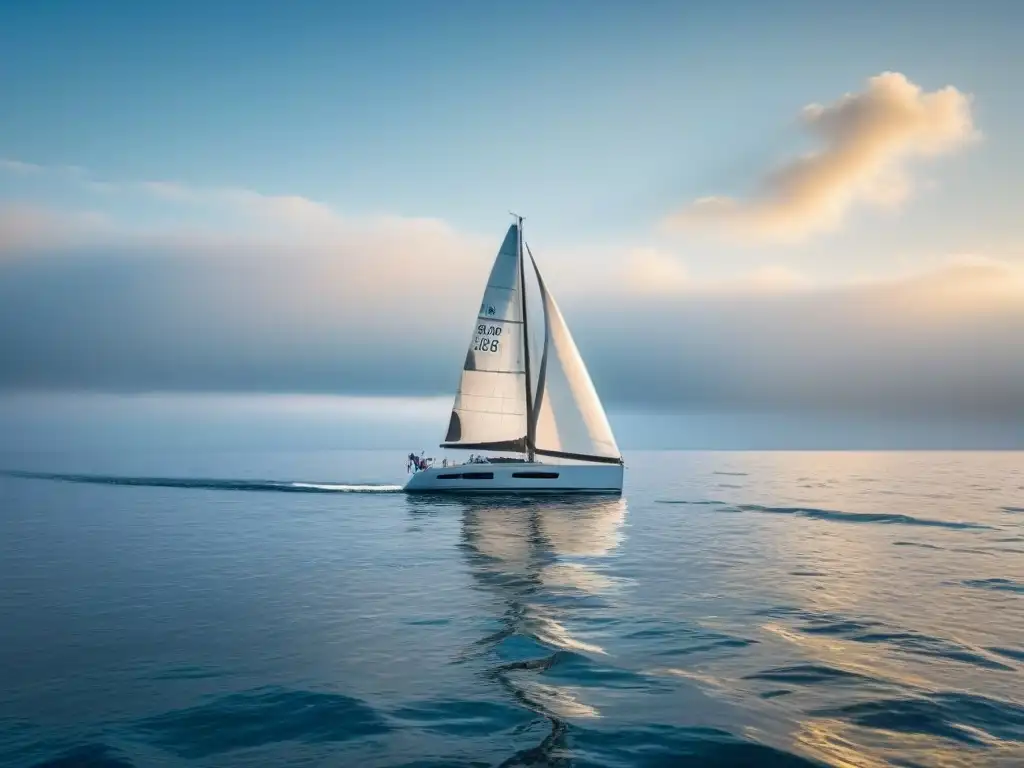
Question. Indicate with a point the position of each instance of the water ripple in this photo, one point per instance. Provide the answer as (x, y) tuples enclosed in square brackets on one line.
[(999, 585), (459, 717), (260, 717), (1016, 654), (963, 717), (93, 755), (875, 632), (664, 745), (810, 674), (860, 517)]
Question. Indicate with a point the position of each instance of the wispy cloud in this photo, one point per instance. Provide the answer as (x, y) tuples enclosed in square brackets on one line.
[(217, 221), (385, 261), (869, 140), (656, 272), (20, 167), (284, 209), (289, 210), (649, 270), (26, 229), (17, 166)]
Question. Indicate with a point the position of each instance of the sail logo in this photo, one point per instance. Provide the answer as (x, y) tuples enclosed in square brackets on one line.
[(486, 339)]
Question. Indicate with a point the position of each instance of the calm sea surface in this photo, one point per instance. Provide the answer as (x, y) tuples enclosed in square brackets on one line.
[(745, 609)]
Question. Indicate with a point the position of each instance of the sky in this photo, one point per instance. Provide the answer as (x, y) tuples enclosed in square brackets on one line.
[(782, 219)]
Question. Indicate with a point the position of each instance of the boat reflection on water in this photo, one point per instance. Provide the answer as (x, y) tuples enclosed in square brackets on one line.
[(542, 558), (538, 556)]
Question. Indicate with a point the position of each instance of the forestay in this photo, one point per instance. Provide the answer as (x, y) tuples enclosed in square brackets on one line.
[(490, 406)]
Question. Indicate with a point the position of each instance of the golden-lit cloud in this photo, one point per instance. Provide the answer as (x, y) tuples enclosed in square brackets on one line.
[(649, 270), (870, 139), (654, 272), (966, 284)]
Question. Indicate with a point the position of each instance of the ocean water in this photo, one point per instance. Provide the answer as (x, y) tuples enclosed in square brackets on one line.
[(241, 608)]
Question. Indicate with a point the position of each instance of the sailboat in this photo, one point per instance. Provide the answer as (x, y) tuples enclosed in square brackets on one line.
[(542, 408)]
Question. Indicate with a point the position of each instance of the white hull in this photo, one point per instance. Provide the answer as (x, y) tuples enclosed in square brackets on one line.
[(524, 478)]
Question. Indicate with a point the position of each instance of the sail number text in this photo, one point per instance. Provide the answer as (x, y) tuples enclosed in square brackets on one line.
[(486, 338)]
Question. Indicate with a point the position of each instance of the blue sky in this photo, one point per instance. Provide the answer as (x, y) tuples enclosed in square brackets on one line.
[(253, 195), (593, 117)]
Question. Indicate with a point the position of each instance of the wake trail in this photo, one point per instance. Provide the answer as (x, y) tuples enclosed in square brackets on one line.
[(209, 484)]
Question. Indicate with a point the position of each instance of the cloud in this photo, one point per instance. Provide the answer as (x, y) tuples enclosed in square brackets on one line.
[(296, 297), (648, 270), (939, 344), (367, 319), (282, 209), (775, 278), (288, 234), (26, 229), (291, 210), (17, 166), (870, 139), (21, 168)]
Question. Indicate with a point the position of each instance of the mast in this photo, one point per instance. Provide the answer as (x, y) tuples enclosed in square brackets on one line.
[(530, 427)]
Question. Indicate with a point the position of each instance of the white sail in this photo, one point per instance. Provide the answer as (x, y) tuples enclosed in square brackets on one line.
[(569, 416), (490, 405)]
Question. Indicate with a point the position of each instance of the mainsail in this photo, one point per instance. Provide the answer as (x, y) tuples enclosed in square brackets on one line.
[(497, 408), (490, 406)]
